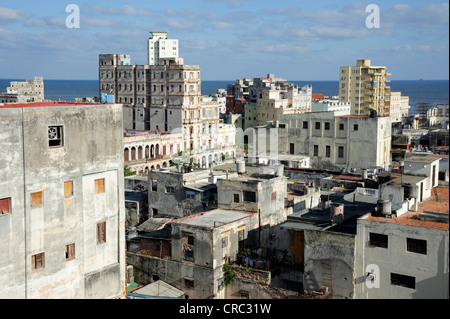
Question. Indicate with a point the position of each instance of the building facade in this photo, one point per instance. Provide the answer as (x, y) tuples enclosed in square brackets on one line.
[(365, 87), (159, 47), (28, 91), (61, 195), (335, 141)]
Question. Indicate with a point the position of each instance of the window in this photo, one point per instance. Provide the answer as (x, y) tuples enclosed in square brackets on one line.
[(190, 195), (37, 262), (328, 151), (416, 245), (5, 206), (68, 188), (70, 252), (341, 152), (36, 199), (403, 281), (317, 125), (355, 127), (327, 126), (305, 124), (274, 196), (249, 196), (236, 198), (55, 136), (170, 190), (154, 185), (189, 283), (316, 150), (101, 232), (341, 127), (99, 186), (224, 241), (378, 240)]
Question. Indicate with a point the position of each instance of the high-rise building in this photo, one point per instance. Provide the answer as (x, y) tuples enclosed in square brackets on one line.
[(364, 86), (159, 47)]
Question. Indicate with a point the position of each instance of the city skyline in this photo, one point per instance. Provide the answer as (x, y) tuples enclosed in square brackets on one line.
[(229, 39)]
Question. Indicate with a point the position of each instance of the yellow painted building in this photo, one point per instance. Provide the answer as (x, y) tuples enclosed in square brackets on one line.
[(365, 87)]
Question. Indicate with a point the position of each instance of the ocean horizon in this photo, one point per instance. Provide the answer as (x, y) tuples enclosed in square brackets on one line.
[(419, 91)]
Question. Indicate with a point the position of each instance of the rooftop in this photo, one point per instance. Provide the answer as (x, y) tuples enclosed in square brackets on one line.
[(438, 202), (214, 218)]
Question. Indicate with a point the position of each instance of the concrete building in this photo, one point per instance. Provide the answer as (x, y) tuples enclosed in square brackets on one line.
[(364, 86), (28, 91), (182, 191), (159, 47), (164, 98), (335, 141), (275, 103), (405, 257), (144, 151), (200, 245), (259, 189), (438, 116), (61, 197), (398, 106), (328, 105)]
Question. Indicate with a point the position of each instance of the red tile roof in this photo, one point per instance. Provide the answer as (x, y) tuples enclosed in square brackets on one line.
[(317, 96)]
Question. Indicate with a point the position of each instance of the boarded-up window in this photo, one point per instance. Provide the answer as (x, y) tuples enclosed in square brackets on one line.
[(36, 199), (37, 262), (70, 252), (5, 206), (99, 185), (68, 189), (101, 232)]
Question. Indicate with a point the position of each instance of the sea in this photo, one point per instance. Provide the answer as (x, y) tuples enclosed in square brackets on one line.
[(432, 92)]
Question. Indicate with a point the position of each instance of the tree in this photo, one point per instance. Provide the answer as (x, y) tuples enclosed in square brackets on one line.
[(229, 274), (127, 171)]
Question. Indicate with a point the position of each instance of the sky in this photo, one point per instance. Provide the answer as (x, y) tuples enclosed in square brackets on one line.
[(229, 39)]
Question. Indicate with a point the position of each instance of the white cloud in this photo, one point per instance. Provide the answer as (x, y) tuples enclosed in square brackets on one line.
[(10, 15), (126, 9)]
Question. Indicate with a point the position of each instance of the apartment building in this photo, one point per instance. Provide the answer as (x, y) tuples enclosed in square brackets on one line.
[(335, 141), (28, 91), (200, 245), (365, 87), (146, 151), (398, 106), (159, 47), (62, 214), (404, 257)]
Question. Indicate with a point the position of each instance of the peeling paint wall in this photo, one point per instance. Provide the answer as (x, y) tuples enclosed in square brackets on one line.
[(92, 149), (328, 261)]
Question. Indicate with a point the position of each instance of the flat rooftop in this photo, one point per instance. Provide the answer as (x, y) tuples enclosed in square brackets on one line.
[(421, 159), (438, 202), (214, 218)]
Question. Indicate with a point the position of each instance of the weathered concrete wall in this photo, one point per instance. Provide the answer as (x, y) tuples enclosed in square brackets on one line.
[(373, 135), (430, 270), (92, 149), (328, 261)]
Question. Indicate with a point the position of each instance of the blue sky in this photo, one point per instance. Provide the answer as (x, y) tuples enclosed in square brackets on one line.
[(229, 39)]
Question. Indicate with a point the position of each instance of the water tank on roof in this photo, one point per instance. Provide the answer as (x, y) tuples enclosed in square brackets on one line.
[(384, 207), (240, 167)]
